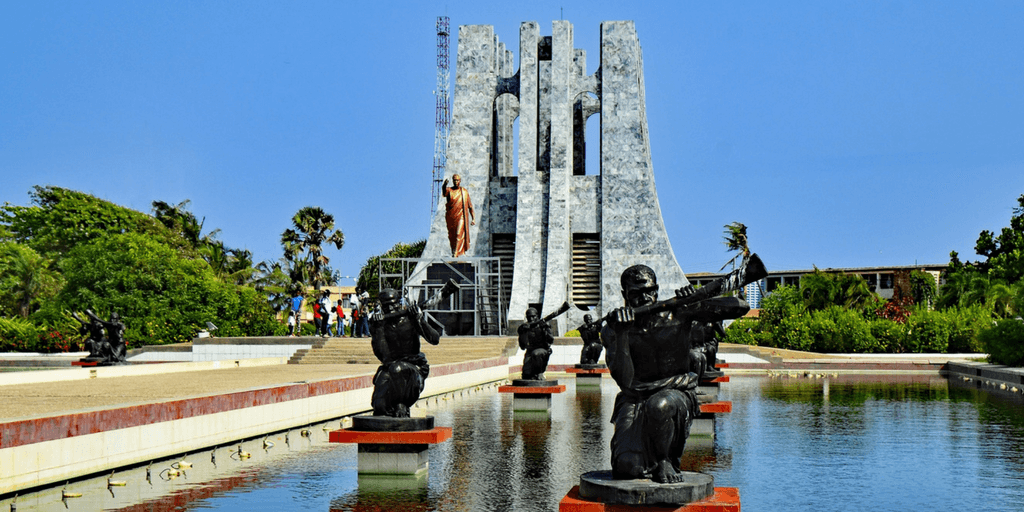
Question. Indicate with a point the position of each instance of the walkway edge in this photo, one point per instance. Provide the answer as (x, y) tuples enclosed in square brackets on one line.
[(44, 451)]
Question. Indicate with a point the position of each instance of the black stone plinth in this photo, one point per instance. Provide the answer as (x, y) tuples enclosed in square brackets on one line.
[(534, 383), (389, 424), (599, 486), (591, 366), (713, 375)]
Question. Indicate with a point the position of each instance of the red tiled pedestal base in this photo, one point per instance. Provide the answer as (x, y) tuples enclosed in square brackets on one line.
[(724, 499), (588, 376), (532, 398), (704, 424), (392, 453)]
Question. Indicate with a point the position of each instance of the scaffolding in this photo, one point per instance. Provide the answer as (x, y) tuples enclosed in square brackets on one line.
[(443, 115), (478, 308)]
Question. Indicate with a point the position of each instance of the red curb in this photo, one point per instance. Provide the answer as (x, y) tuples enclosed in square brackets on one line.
[(585, 371)]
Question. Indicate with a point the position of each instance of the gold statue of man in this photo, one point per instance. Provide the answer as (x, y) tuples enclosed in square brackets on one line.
[(458, 215)]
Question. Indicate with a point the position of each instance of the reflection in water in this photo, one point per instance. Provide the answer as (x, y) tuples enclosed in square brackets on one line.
[(870, 443), (386, 493)]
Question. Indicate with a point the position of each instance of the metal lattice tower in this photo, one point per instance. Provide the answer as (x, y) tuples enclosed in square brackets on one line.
[(443, 114)]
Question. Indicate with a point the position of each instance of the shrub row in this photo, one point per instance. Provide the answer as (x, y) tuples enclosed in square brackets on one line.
[(839, 330)]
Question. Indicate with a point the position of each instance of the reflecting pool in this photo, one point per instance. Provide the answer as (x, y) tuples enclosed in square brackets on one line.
[(839, 443)]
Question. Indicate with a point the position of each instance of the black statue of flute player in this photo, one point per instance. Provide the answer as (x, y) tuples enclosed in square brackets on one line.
[(648, 344), (396, 343)]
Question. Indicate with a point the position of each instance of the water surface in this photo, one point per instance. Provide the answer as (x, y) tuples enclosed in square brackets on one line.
[(843, 443)]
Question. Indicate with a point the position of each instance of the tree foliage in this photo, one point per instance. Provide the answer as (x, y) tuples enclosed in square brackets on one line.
[(26, 279), (990, 281), (304, 245), (162, 297), (369, 275), (823, 289), (61, 219)]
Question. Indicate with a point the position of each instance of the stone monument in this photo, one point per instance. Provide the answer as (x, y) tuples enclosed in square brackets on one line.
[(566, 231)]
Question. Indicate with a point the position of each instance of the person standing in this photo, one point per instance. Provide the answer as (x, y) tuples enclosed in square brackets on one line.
[(296, 313), (355, 323), (325, 313), (316, 318), (340, 329)]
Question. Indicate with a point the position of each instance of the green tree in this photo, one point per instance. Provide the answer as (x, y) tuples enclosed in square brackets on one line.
[(304, 245), (1004, 253), (60, 219), (736, 240), (922, 287), (369, 275), (26, 279), (162, 297), (822, 289)]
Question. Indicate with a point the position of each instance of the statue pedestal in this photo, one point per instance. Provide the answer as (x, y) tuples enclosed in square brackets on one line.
[(722, 499), (532, 395), (711, 382), (589, 374), (391, 446), (704, 424)]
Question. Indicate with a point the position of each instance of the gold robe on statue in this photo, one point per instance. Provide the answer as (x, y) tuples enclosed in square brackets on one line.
[(459, 209)]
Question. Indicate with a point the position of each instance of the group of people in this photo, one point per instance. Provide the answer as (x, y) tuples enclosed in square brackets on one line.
[(330, 318)]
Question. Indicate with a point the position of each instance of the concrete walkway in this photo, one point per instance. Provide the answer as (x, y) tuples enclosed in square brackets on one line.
[(42, 399)]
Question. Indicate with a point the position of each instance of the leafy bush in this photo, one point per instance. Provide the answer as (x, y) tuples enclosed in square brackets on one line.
[(1004, 342), (745, 331), (20, 335), (965, 325), (928, 331), (161, 297), (889, 336), (784, 302), (575, 333)]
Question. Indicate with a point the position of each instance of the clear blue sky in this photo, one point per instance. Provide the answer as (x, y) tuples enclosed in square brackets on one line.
[(842, 133)]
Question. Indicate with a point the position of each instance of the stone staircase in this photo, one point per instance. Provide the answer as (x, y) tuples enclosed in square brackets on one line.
[(450, 350)]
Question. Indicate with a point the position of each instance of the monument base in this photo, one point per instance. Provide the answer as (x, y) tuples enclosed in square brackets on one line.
[(703, 425), (391, 446), (724, 499), (588, 374), (532, 395), (599, 486)]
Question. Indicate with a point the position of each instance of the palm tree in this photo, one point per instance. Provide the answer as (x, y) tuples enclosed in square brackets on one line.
[(304, 244), (25, 277), (736, 240), (821, 289)]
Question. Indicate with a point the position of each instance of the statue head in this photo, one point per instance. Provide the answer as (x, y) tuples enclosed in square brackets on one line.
[(532, 315), (588, 319), (114, 316), (456, 180), (639, 286), (389, 300)]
